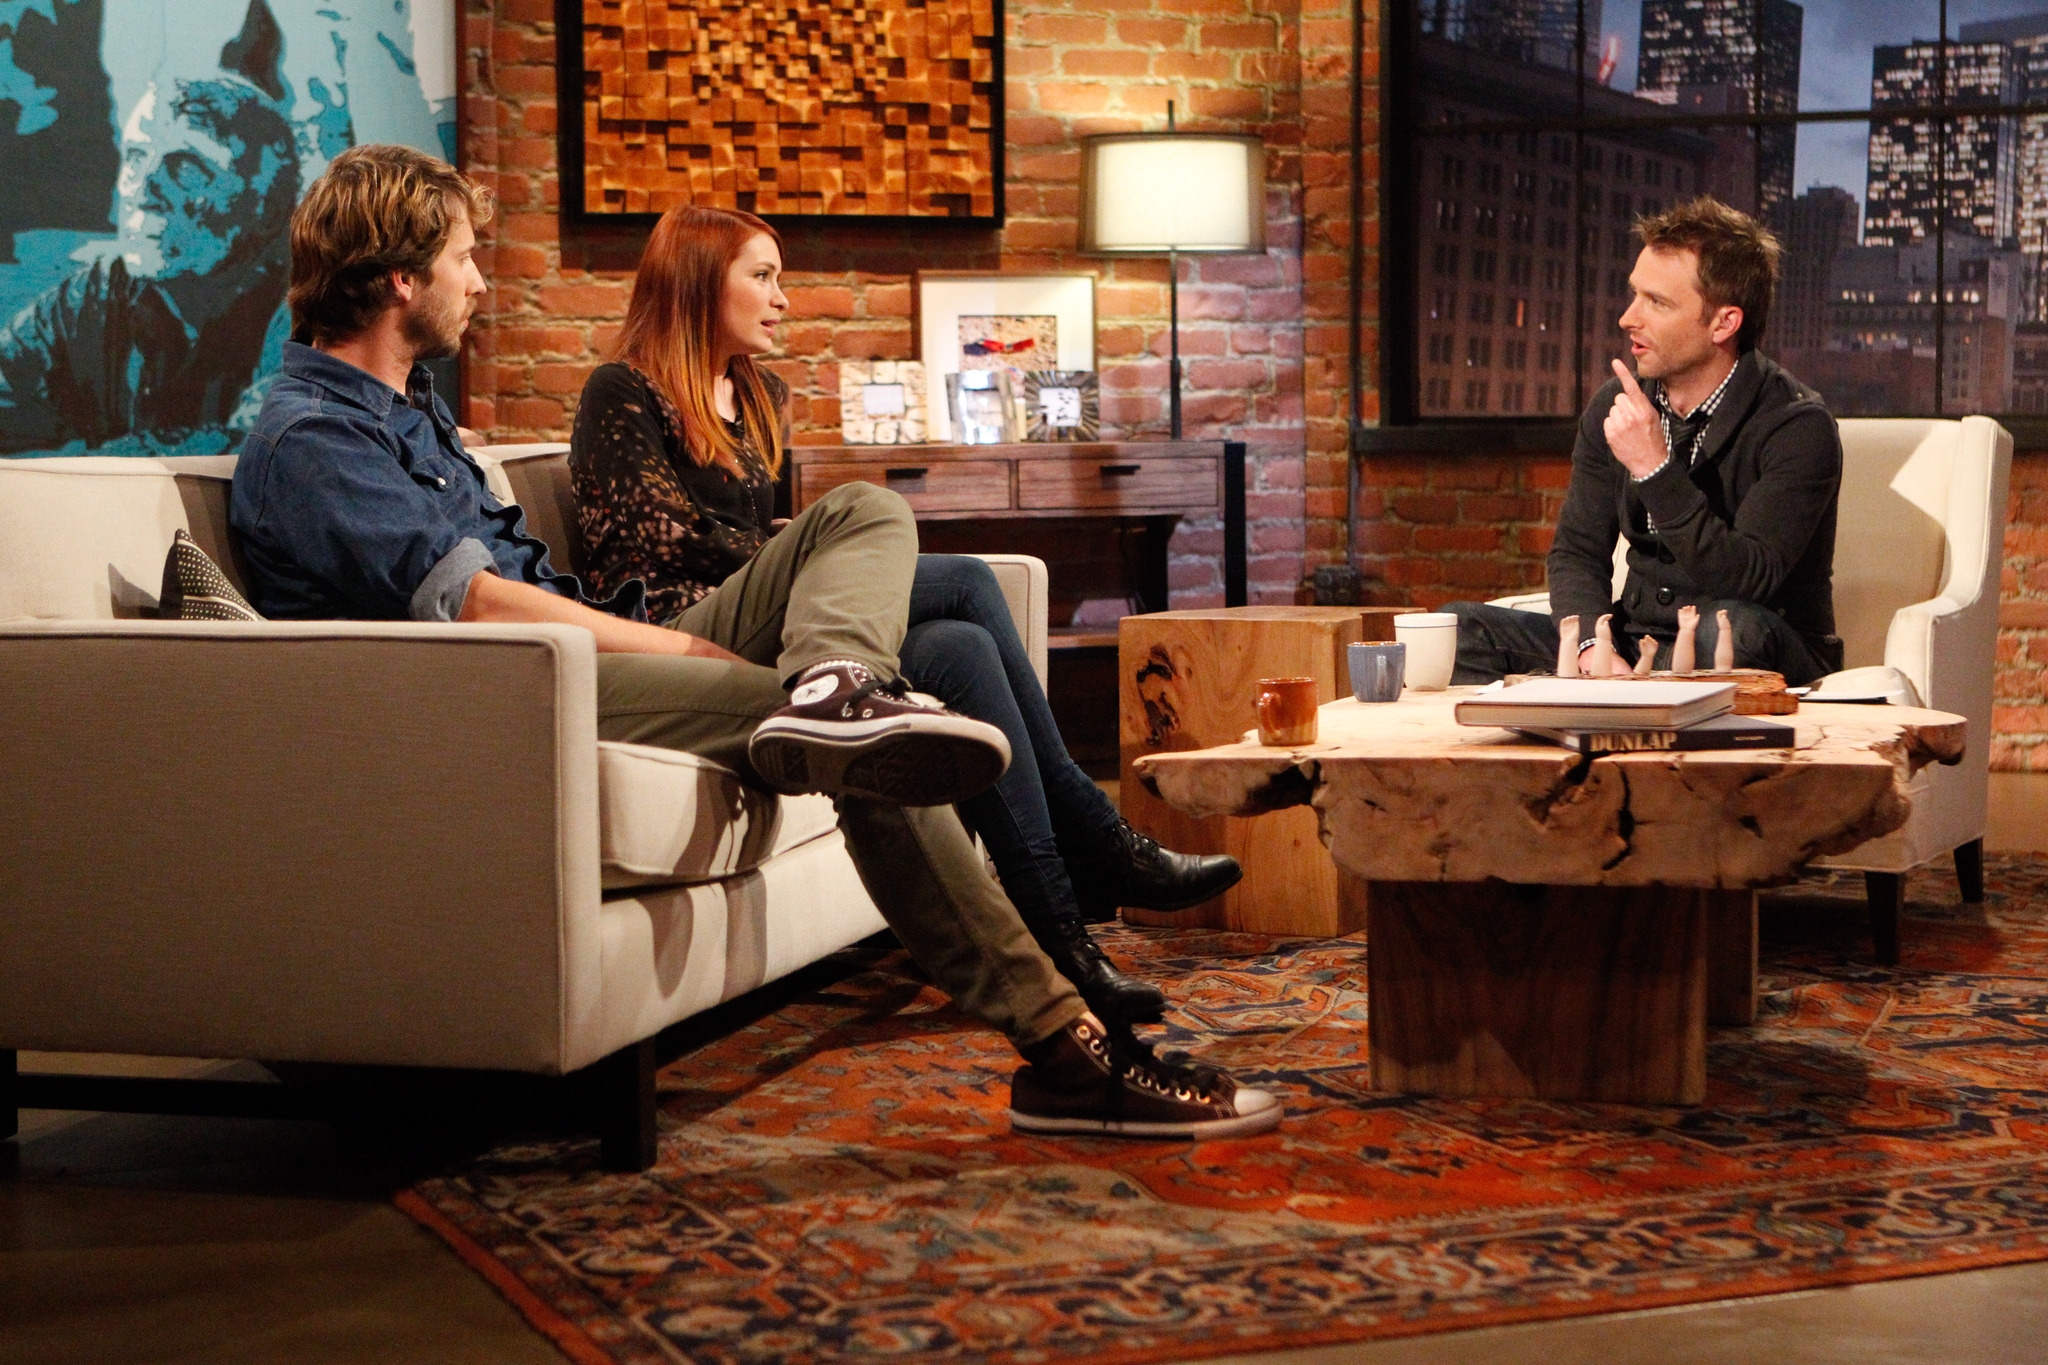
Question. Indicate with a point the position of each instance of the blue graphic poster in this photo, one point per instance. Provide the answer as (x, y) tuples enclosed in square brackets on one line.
[(151, 152)]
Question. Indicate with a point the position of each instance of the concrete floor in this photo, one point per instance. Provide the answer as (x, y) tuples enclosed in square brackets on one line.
[(128, 1239)]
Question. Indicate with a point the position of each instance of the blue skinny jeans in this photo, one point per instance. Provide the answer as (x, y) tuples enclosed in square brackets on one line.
[(963, 648)]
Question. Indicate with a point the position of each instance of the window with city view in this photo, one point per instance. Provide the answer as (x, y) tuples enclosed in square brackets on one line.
[(1898, 148)]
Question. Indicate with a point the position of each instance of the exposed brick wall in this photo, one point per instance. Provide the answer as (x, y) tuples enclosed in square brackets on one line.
[(1326, 56), (1440, 529), (2021, 692), (1074, 67)]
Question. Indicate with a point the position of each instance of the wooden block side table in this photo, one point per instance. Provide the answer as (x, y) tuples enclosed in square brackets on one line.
[(1185, 680)]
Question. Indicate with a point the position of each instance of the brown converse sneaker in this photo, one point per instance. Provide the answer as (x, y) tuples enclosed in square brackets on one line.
[(1085, 1080), (846, 734)]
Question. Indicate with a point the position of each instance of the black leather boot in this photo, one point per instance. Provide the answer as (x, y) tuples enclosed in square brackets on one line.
[(1135, 870), (1108, 991)]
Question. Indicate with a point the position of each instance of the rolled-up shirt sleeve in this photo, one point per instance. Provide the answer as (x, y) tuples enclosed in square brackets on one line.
[(442, 592), (359, 523)]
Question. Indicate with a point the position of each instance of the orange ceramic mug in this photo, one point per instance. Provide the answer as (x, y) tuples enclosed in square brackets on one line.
[(1287, 711)]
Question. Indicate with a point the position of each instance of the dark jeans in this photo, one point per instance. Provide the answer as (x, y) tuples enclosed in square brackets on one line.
[(962, 648), (1496, 641)]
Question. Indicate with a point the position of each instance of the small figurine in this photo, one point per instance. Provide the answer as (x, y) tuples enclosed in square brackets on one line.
[(1724, 643), (1568, 647), (1646, 656), (1601, 665), (1683, 651)]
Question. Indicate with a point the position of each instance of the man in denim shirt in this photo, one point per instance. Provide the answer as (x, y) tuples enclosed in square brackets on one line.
[(354, 498), (341, 538)]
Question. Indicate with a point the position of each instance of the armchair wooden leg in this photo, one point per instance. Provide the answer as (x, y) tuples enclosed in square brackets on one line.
[(1970, 871), (10, 1094), (625, 1100), (1887, 894)]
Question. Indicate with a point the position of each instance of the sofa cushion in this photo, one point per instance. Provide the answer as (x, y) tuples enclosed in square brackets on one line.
[(195, 589), (82, 538), (669, 817)]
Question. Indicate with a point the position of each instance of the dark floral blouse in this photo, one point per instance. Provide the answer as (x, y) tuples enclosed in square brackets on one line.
[(647, 509)]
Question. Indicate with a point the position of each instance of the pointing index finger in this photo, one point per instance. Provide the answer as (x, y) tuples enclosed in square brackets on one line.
[(1628, 381)]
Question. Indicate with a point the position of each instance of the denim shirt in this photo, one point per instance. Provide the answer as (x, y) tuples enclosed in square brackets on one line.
[(354, 501)]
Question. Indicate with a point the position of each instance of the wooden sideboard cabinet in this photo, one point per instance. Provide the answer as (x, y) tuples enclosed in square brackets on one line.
[(1158, 481)]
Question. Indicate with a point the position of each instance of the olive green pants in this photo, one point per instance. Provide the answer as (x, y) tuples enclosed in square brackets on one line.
[(835, 584)]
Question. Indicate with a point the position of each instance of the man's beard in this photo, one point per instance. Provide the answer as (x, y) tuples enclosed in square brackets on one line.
[(433, 329)]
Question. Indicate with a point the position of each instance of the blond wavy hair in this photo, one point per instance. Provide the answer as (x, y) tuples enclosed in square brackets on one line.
[(380, 210)]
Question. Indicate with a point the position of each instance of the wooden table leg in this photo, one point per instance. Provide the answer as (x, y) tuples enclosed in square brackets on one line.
[(1731, 957), (1563, 992)]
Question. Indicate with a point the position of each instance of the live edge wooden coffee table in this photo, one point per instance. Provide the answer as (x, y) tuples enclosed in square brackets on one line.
[(1542, 924)]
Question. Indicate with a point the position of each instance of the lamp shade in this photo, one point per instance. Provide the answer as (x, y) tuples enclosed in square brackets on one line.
[(1144, 193)]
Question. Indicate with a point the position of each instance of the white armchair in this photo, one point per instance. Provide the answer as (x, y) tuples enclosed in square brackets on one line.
[(1922, 531), (1917, 549)]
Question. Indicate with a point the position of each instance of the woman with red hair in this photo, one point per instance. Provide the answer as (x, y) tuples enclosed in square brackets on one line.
[(677, 446)]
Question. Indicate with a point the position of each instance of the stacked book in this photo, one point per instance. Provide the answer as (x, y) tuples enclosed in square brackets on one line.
[(1620, 715)]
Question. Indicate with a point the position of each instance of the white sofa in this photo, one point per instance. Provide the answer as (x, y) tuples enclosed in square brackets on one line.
[(1919, 538), (356, 842)]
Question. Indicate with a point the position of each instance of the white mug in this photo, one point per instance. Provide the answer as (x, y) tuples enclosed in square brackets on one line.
[(1432, 640)]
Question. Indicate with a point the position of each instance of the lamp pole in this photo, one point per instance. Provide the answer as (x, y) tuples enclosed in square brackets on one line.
[(1173, 329), (1173, 317)]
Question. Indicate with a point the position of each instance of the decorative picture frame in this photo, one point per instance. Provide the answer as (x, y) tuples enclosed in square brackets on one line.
[(691, 104), (983, 406), (1014, 309), (882, 402), (1062, 405)]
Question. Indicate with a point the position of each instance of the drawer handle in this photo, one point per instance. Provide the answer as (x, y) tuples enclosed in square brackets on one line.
[(1112, 469), (904, 474)]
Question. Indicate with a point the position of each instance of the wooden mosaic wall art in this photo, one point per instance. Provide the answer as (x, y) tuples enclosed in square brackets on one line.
[(1062, 405), (881, 402), (821, 107)]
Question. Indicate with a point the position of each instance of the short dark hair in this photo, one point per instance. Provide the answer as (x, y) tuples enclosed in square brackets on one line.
[(380, 209), (1738, 257)]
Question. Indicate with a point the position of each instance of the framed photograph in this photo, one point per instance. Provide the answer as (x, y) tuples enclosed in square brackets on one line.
[(782, 110), (881, 402), (983, 406), (1062, 405), (987, 320), (1007, 341)]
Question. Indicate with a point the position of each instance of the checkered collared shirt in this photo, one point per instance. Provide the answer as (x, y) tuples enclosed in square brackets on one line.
[(1703, 415), (1699, 419)]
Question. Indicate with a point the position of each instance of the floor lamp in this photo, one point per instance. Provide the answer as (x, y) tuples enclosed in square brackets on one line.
[(1147, 193)]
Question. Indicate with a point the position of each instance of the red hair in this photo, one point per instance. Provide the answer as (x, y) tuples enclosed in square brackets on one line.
[(671, 331)]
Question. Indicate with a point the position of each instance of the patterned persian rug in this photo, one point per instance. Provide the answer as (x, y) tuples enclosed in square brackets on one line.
[(838, 1182)]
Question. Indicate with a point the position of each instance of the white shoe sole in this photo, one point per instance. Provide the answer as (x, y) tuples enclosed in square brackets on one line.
[(1262, 1119), (934, 760)]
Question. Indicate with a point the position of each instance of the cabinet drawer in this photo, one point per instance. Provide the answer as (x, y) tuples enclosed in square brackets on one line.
[(1173, 483), (937, 486)]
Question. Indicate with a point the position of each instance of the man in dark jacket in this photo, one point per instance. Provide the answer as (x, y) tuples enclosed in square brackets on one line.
[(1720, 469)]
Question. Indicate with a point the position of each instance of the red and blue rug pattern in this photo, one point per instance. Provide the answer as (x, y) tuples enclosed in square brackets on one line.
[(838, 1181)]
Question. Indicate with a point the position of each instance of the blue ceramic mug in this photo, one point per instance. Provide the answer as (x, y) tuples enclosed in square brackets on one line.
[(1376, 670)]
